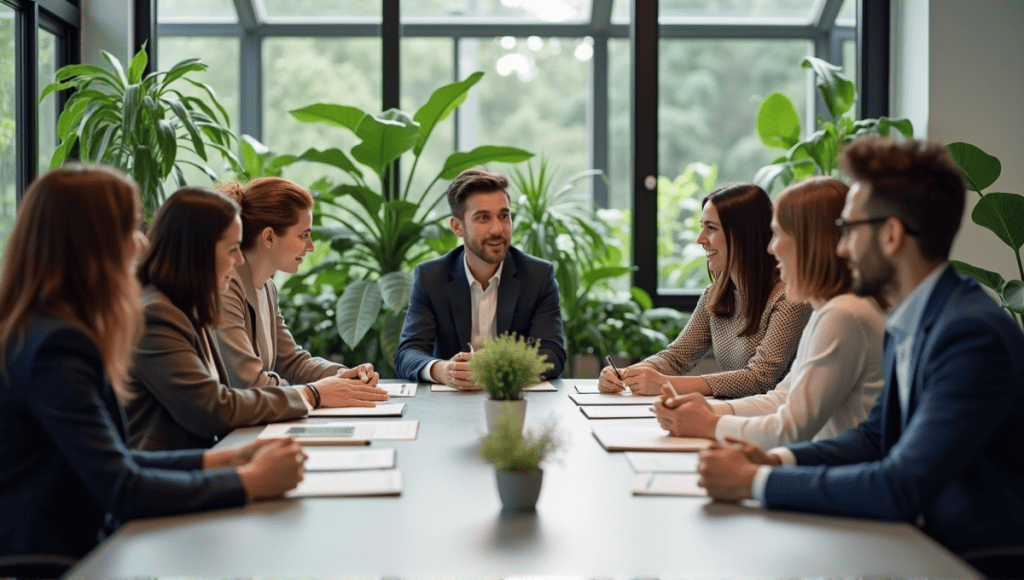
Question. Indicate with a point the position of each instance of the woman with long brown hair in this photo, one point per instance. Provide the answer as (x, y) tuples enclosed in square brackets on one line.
[(838, 370), (277, 219), (71, 313), (743, 315)]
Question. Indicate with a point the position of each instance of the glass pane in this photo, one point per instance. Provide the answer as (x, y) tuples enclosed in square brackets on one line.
[(344, 71), (847, 14), (196, 9), (850, 65), (426, 66), (322, 9), (620, 160), (48, 107), (534, 95), (533, 10), (8, 126), (220, 54), (708, 96), (704, 10)]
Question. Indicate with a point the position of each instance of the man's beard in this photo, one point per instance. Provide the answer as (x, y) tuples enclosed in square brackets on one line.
[(480, 252), (874, 275)]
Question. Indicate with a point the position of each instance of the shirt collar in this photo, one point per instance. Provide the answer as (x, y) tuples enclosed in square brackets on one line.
[(905, 319), (495, 279)]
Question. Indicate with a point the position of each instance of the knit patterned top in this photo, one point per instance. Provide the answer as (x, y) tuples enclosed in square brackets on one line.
[(750, 365)]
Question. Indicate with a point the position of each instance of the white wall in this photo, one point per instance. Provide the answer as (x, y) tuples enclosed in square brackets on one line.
[(958, 73), (106, 25)]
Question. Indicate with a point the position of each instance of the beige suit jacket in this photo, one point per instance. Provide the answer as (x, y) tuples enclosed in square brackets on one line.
[(241, 339), (173, 400)]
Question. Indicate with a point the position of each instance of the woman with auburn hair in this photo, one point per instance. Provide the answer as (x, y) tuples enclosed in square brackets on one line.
[(181, 394), (277, 216), (71, 313), (838, 371), (744, 315)]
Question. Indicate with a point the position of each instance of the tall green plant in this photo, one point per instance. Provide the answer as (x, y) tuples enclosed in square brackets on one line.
[(138, 124), (999, 212), (380, 225), (778, 125)]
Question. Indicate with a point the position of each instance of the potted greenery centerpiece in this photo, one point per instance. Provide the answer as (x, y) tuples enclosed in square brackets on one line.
[(517, 458), (506, 365)]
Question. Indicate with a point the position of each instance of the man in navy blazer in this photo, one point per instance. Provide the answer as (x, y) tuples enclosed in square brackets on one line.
[(941, 446), (479, 290)]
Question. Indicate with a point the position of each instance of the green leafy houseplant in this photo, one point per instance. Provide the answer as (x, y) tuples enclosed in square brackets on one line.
[(778, 125), (377, 225), (506, 365), (1000, 212), (509, 449), (138, 124)]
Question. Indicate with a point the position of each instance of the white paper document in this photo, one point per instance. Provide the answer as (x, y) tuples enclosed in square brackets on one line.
[(587, 388), (349, 483), (349, 460), (321, 433), (648, 462), (394, 430), (381, 410), (684, 484), (399, 389), (645, 439), (543, 386), (616, 411), (613, 399)]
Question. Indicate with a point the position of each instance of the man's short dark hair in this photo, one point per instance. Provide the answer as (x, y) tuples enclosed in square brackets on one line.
[(915, 181), (470, 181)]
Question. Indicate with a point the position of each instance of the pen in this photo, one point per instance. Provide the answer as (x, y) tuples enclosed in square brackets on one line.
[(470, 345), (675, 395), (608, 359)]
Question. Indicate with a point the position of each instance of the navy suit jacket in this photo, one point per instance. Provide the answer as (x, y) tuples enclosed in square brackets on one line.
[(66, 476), (437, 325), (957, 461)]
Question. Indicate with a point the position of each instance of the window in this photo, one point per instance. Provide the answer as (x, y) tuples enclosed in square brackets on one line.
[(8, 125), (48, 113)]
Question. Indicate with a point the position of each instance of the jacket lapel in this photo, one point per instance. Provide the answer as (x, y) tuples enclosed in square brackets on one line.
[(891, 421), (458, 298), (508, 294), (940, 294)]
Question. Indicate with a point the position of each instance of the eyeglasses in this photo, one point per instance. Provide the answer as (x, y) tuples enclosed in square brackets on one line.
[(845, 225)]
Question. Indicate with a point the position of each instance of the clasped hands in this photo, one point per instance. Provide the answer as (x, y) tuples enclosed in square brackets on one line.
[(455, 372), (267, 468), (354, 387)]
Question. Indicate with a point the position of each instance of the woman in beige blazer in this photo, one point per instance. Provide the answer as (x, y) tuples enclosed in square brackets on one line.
[(181, 394), (277, 216)]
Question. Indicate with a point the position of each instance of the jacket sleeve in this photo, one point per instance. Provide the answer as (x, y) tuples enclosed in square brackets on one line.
[(547, 325), (690, 346), (972, 387), (294, 363), (66, 379), (419, 331), (772, 357), (169, 366)]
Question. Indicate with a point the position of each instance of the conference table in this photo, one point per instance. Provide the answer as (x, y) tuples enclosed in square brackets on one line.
[(448, 521)]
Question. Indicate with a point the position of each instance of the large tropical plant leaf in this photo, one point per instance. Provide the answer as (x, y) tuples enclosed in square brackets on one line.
[(980, 169), (384, 138), (836, 90), (334, 115), (334, 157), (357, 310), (1013, 296), (441, 104), (778, 124), (395, 289), (460, 161), (1003, 213), (992, 280)]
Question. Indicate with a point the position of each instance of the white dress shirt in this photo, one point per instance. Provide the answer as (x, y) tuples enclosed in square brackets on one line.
[(483, 305)]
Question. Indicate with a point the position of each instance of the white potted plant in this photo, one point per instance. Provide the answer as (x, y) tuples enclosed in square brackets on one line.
[(517, 459), (504, 367)]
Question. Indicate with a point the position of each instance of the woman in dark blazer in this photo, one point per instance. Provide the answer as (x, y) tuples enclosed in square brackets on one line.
[(71, 311)]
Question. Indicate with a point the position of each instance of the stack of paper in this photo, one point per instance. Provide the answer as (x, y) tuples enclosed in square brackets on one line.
[(621, 398), (338, 433), (684, 484), (349, 460), (399, 389), (381, 410), (616, 412), (645, 439), (349, 483), (647, 462)]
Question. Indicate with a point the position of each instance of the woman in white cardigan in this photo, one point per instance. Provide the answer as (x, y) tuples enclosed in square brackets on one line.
[(838, 370), (257, 347)]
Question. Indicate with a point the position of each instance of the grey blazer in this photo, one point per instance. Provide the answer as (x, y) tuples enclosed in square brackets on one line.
[(173, 401), (241, 339)]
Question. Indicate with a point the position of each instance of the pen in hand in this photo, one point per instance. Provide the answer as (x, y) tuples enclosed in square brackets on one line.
[(618, 373)]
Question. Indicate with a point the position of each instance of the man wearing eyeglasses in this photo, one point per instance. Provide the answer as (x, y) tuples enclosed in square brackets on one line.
[(941, 446)]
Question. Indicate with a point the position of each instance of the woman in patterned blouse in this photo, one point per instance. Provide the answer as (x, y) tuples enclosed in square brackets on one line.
[(743, 315)]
